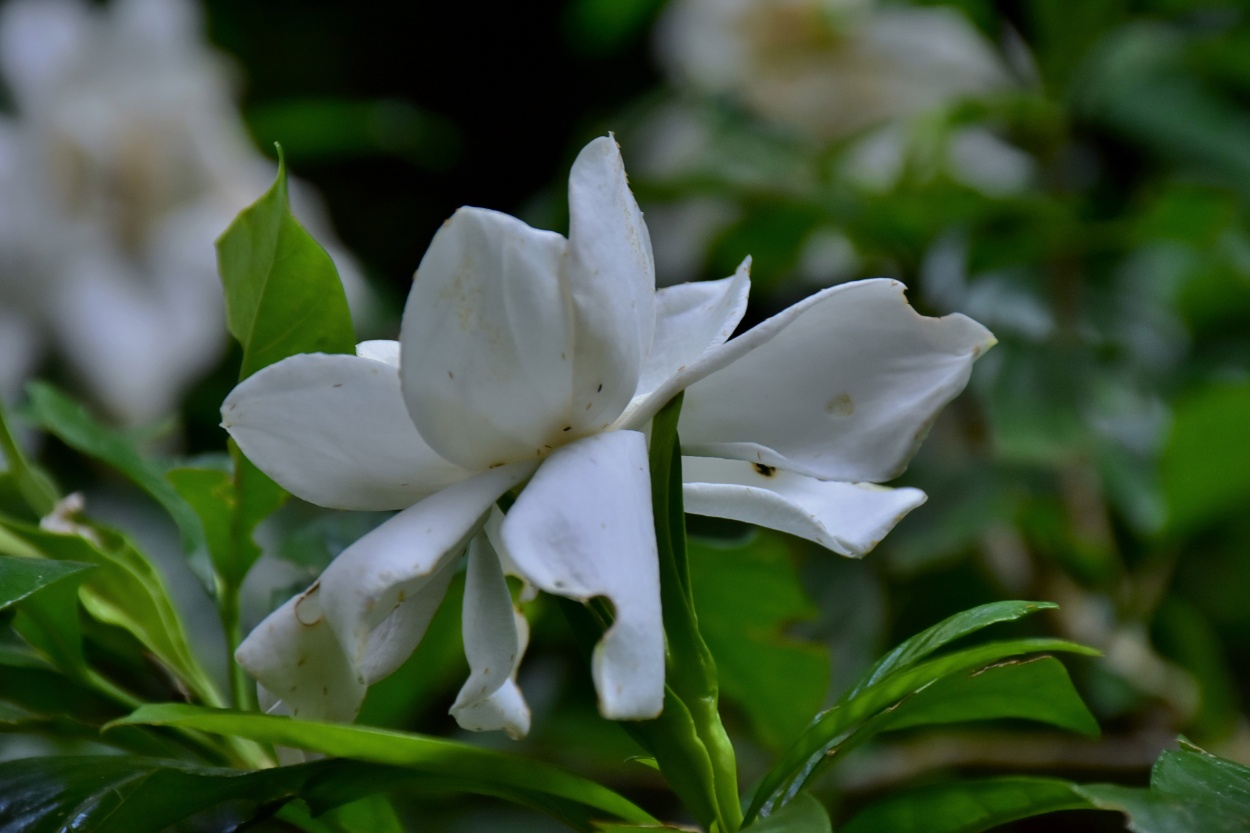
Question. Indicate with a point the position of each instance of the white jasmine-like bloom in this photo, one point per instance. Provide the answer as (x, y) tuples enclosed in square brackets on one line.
[(123, 160), (530, 362), (832, 67)]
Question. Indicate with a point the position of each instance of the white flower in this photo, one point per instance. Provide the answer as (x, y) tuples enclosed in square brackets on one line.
[(832, 67), (526, 358), (124, 160)]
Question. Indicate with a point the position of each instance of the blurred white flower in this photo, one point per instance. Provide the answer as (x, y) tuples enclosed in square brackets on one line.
[(831, 67), (123, 160), (532, 364)]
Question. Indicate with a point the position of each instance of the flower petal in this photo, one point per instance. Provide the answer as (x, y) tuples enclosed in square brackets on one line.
[(495, 636), (380, 593), (380, 350), (691, 319), (848, 518), (39, 41), (486, 354), (583, 528), (842, 386), (334, 431), (298, 660), (610, 279)]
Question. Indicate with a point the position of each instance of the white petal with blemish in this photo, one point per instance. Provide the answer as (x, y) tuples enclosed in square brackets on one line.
[(848, 518), (486, 354), (842, 386), (380, 593), (334, 431), (495, 636), (298, 660), (691, 319), (609, 276), (583, 528)]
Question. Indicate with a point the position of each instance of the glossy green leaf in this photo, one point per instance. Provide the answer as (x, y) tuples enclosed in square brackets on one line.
[(435, 756), (283, 294), (69, 422), (966, 806), (1190, 790), (126, 591), (1036, 689), (48, 621), (948, 630), (116, 794), (21, 577), (802, 761), (802, 815)]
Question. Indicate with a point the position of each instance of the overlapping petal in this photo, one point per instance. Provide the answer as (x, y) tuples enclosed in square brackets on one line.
[(842, 386), (582, 529), (486, 345), (334, 431), (848, 518), (495, 636), (691, 319), (610, 279), (379, 594), (299, 661)]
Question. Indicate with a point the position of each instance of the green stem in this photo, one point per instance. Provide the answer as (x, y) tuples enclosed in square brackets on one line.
[(691, 669), (242, 691)]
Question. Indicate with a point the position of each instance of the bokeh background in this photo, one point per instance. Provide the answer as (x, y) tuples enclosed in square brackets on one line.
[(1074, 175)]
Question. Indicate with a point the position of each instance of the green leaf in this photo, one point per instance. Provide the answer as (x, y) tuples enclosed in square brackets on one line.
[(1206, 463), (115, 794), (1037, 689), (21, 577), (372, 814), (48, 621), (434, 756), (125, 590), (1190, 790), (948, 630), (967, 806), (256, 497), (34, 486), (804, 760), (283, 294), (69, 422), (803, 815), (745, 597)]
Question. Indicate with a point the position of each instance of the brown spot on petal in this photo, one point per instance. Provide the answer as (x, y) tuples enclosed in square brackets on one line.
[(840, 405), (766, 471)]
